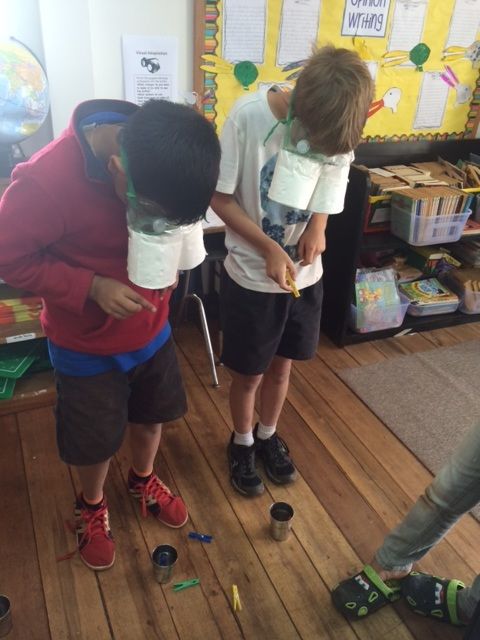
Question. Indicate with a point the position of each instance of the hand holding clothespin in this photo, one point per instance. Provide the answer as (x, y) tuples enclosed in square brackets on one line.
[(291, 283), (237, 605)]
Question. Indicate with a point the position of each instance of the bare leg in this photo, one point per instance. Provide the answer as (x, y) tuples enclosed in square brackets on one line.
[(274, 390), (92, 478), (242, 400), (144, 443)]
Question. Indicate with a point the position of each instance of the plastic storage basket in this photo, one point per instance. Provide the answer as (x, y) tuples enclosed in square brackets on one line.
[(424, 230), (377, 318)]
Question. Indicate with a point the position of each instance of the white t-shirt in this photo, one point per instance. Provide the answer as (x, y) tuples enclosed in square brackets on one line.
[(246, 171)]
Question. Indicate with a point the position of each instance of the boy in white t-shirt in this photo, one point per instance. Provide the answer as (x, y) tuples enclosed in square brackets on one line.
[(264, 327)]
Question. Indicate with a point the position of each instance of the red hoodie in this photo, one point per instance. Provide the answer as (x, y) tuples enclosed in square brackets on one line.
[(60, 224)]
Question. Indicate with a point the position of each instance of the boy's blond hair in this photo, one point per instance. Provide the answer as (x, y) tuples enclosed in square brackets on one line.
[(332, 98)]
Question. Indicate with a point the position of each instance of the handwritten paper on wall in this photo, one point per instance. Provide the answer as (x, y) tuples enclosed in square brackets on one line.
[(407, 25), (150, 68), (365, 18), (432, 102), (244, 30), (464, 23), (298, 30)]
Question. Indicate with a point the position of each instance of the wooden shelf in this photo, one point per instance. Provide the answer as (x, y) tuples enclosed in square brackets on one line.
[(28, 330), (31, 392)]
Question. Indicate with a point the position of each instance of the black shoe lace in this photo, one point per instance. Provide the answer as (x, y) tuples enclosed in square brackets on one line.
[(277, 450), (247, 461)]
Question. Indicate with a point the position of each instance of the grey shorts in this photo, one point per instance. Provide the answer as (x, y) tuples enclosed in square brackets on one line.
[(93, 411)]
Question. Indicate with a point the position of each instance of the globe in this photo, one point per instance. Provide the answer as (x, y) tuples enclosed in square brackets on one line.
[(24, 101)]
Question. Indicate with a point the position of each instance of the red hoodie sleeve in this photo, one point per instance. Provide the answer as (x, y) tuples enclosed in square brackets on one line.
[(30, 223)]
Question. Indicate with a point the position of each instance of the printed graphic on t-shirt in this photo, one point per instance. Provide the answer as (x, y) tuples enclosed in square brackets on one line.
[(278, 217)]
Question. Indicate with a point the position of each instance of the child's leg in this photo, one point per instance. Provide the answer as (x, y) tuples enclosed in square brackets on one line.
[(242, 401), (453, 492), (92, 478), (144, 443), (274, 390)]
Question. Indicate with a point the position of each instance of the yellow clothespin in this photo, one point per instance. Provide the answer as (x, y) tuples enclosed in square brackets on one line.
[(237, 605), (291, 283)]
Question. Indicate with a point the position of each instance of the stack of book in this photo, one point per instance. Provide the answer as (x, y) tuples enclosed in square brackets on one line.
[(16, 306), (433, 201)]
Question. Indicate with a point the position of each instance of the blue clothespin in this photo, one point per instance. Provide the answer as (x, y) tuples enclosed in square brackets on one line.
[(179, 586), (203, 537)]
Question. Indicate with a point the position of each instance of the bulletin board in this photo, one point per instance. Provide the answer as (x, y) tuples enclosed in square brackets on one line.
[(424, 56)]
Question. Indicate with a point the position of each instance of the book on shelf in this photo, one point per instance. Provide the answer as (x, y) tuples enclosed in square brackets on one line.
[(432, 201), (428, 293)]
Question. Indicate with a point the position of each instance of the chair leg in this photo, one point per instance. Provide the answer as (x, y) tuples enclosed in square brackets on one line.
[(206, 335)]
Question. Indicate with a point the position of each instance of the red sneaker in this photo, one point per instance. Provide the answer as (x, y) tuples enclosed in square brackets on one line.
[(157, 498), (94, 538)]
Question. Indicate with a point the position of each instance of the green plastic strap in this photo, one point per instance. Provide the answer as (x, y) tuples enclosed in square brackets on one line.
[(453, 587), (388, 592)]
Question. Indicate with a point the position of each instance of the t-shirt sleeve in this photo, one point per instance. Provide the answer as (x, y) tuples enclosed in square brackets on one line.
[(329, 194), (230, 164)]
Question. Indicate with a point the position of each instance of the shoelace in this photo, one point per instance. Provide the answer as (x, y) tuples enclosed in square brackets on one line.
[(278, 450), (154, 489), (96, 524), (247, 461)]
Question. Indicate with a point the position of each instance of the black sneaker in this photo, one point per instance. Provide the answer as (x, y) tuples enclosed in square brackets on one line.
[(243, 475), (273, 452)]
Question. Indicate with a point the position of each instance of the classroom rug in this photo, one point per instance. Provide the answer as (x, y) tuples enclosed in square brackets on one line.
[(428, 400)]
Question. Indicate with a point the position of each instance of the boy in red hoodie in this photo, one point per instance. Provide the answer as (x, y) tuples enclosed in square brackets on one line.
[(64, 237)]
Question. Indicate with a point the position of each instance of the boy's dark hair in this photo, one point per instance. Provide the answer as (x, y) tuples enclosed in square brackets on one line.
[(173, 158), (332, 98)]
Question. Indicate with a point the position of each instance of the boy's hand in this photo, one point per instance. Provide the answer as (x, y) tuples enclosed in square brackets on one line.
[(277, 263), (311, 244), (117, 299)]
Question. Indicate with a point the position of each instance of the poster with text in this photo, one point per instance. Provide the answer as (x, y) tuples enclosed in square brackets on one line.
[(150, 68)]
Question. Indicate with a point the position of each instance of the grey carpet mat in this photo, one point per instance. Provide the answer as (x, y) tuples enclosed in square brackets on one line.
[(429, 400)]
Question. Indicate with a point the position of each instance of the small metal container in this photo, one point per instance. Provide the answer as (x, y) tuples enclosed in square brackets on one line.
[(164, 558), (281, 514), (5, 616)]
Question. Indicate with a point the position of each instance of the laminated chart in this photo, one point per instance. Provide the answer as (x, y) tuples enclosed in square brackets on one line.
[(298, 30)]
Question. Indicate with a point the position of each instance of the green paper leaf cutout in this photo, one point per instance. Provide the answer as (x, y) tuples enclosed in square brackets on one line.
[(246, 73), (419, 55)]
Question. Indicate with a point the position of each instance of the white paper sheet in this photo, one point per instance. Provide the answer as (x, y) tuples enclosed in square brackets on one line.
[(373, 68), (150, 68), (298, 30), (464, 23), (407, 25), (244, 30), (432, 102)]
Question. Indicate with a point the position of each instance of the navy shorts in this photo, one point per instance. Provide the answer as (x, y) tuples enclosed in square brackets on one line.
[(93, 411), (258, 326)]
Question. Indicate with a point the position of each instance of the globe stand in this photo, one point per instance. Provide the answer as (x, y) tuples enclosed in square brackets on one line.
[(6, 162)]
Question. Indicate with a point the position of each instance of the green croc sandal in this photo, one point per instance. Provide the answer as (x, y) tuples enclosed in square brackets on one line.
[(432, 596), (363, 594)]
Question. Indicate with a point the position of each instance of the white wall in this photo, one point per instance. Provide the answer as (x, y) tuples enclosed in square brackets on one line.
[(82, 44)]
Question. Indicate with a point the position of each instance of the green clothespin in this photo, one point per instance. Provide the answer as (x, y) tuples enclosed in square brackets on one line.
[(179, 586)]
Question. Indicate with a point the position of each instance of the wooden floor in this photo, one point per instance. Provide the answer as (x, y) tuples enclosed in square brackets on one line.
[(356, 481)]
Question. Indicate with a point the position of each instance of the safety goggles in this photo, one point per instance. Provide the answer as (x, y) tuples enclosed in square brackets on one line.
[(145, 215)]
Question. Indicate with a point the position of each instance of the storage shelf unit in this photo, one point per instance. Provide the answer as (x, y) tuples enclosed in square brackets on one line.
[(346, 239)]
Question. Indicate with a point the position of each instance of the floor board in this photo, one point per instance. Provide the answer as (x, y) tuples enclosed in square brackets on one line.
[(356, 480)]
